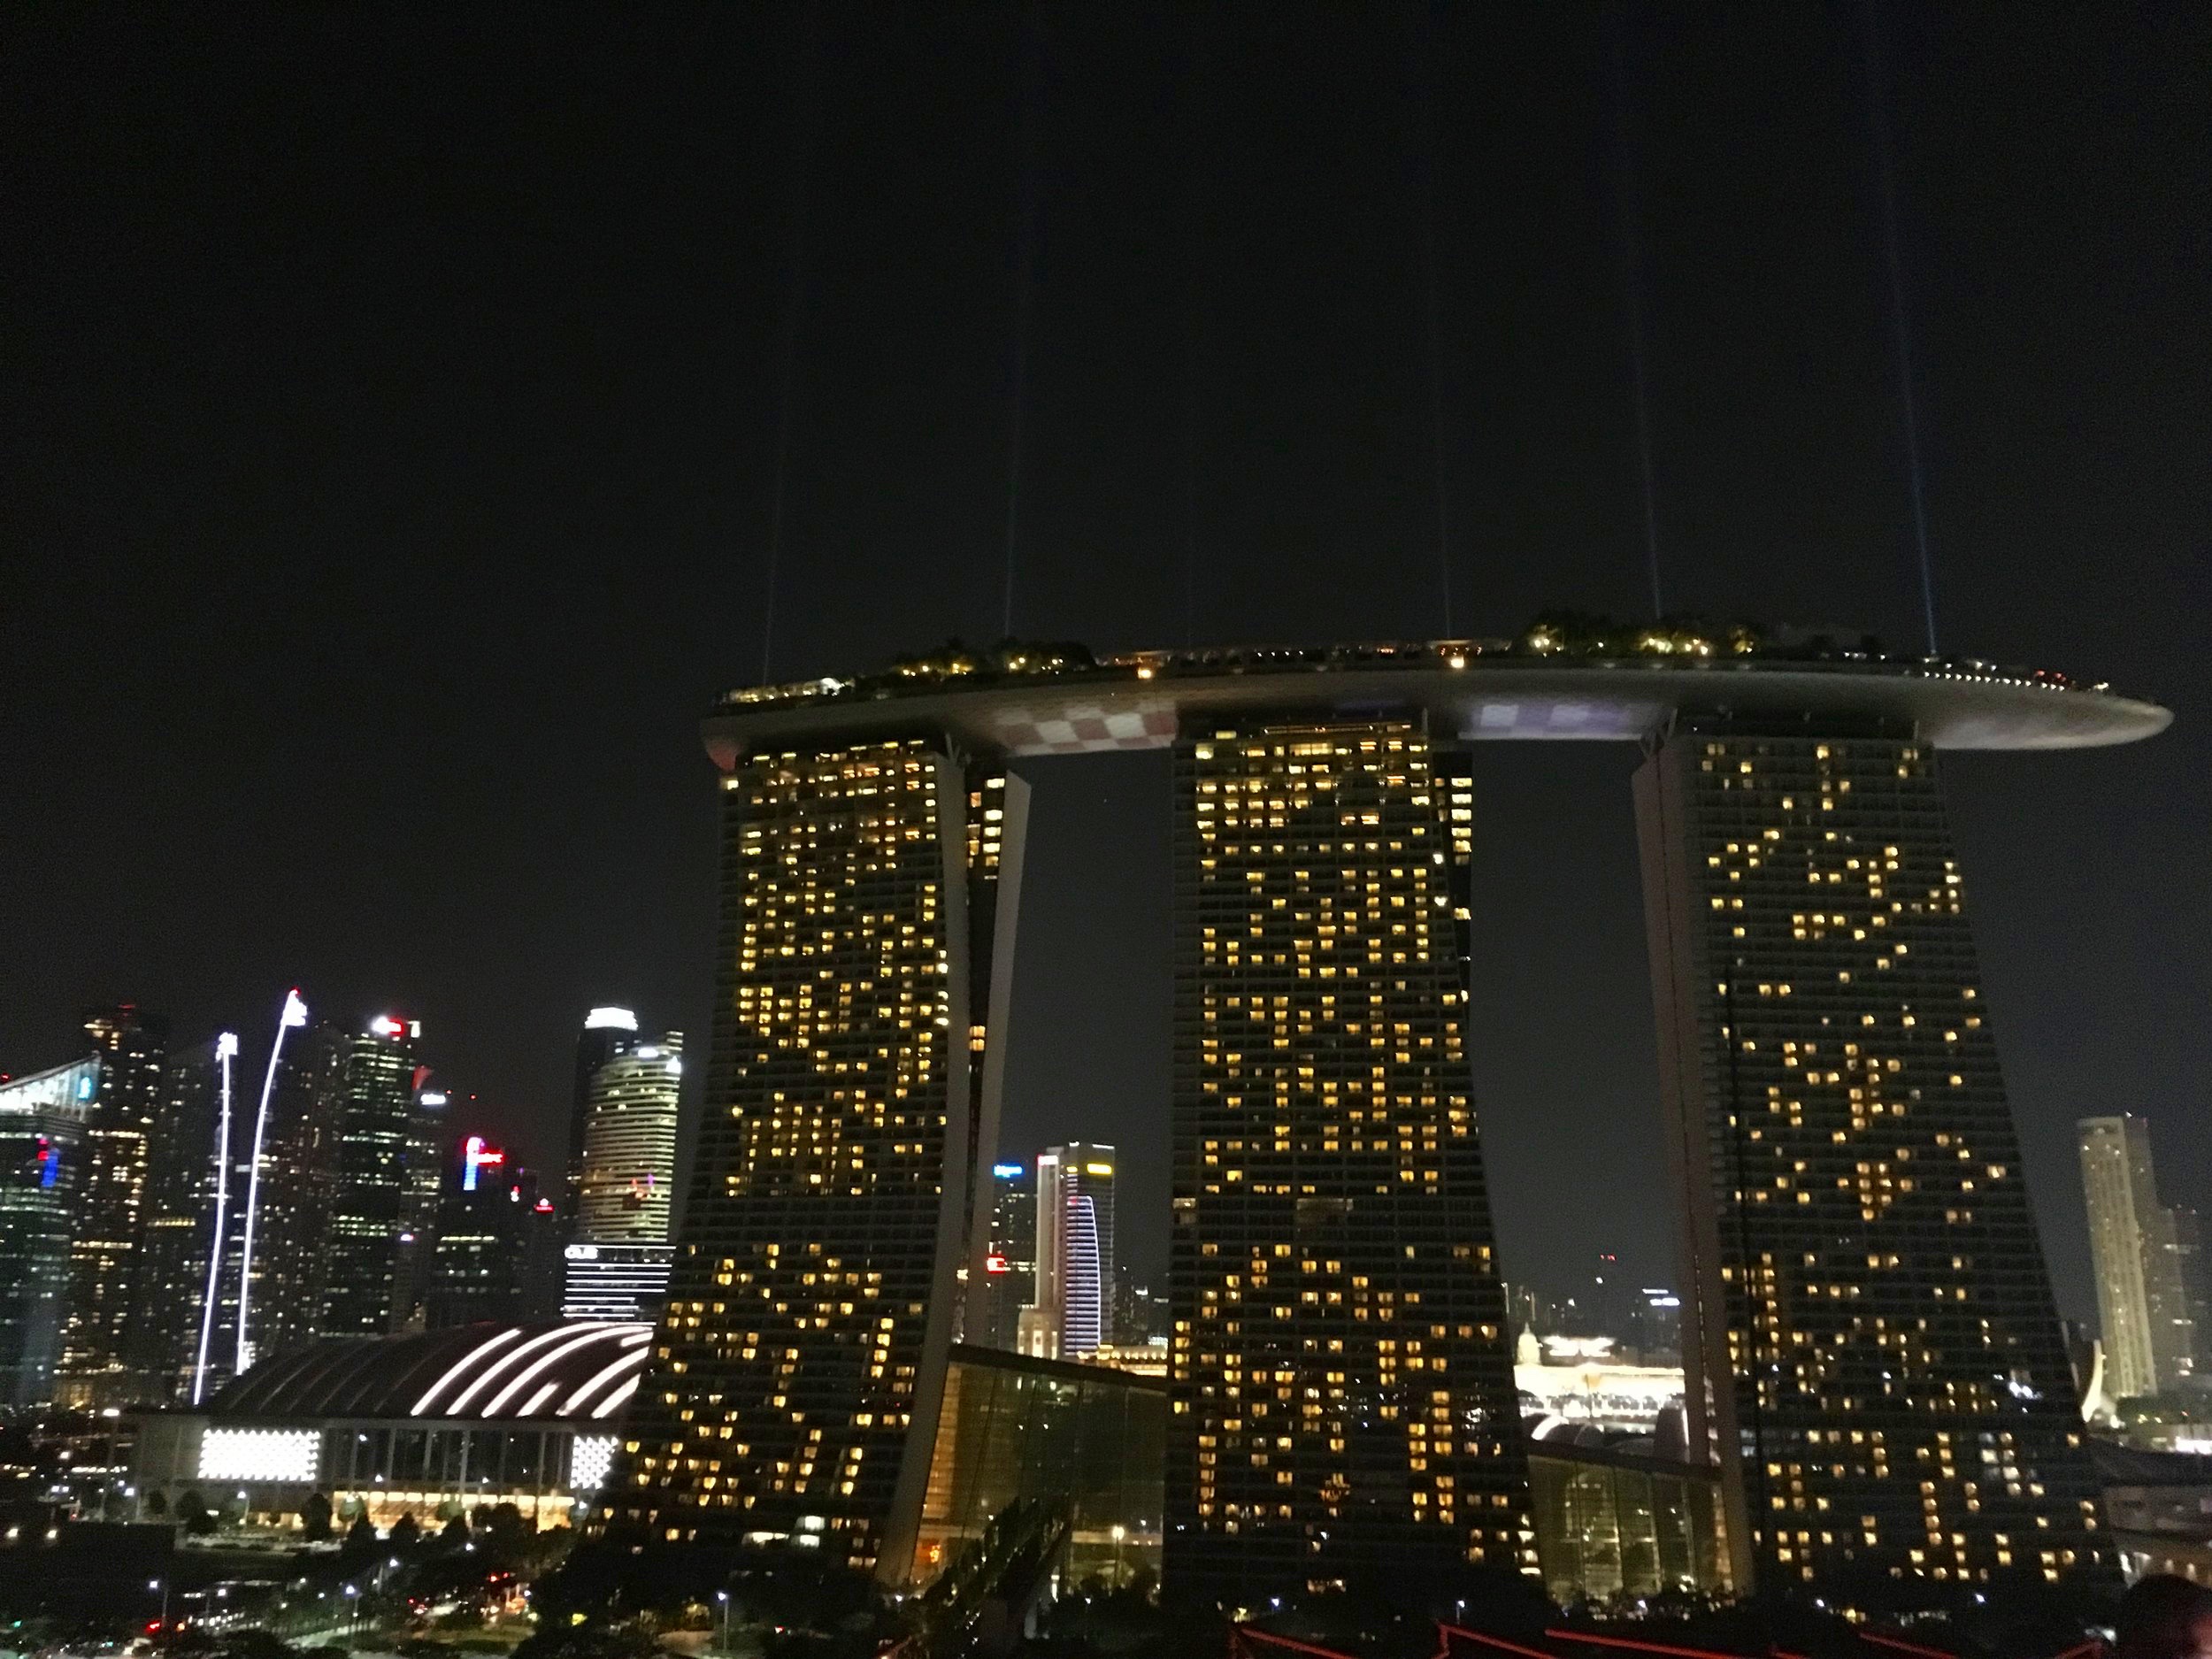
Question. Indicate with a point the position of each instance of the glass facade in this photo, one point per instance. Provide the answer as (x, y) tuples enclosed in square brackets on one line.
[(44, 1120), (629, 1157), (1343, 1386), (372, 1198), (99, 1348), (1083, 1435), (1611, 1525), (1876, 1361)]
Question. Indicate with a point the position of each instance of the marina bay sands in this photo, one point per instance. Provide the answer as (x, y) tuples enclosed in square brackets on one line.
[(1875, 1378)]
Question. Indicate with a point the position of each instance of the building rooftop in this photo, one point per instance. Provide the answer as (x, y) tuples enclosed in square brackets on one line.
[(1573, 678), (571, 1369)]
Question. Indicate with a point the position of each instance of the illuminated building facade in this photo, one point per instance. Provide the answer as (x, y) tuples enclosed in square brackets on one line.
[(622, 1281), (1075, 1249), (1344, 1403), (98, 1346), (1010, 1267), (45, 1122), (607, 1032), (371, 1201), (838, 1185), (492, 1244), (1873, 1353), (179, 1223), (2144, 1257), (629, 1153)]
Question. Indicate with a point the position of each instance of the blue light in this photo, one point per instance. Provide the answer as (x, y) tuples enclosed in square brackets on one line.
[(1009, 1172)]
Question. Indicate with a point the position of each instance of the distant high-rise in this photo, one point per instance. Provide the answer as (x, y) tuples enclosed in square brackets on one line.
[(1870, 1343), (492, 1228), (617, 1259), (179, 1223), (45, 1135), (290, 1191), (1009, 1265), (371, 1202), (428, 1174), (607, 1032), (98, 1346), (1075, 1248), (1344, 1400), (629, 1154), (2143, 1255)]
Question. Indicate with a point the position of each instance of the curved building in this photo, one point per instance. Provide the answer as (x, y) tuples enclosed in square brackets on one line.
[(1874, 1364), (523, 1412)]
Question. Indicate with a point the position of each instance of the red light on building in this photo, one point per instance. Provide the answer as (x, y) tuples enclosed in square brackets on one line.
[(994, 1264)]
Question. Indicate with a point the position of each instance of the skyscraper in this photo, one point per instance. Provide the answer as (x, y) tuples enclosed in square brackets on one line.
[(284, 1196), (837, 1185), (1075, 1248), (492, 1231), (607, 1032), (370, 1201), (1010, 1266), (619, 1256), (179, 1223), (98, 1348), (45, 1131), (1344, 1401), (2143, 1259), (1872, 1350), (428, 1174)]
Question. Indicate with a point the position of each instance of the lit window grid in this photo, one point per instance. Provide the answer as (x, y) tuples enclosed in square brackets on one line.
[(628, 1161), (1343, 1389), (1880, 1263), (788, 1361)]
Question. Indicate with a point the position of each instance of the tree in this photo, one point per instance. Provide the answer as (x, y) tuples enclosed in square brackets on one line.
[(193, 1514), (315, 1518), (405, 1535), (456, 1533), (360, 1538)]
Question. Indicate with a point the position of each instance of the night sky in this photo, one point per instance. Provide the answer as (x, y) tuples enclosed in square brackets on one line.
[(395, 399)]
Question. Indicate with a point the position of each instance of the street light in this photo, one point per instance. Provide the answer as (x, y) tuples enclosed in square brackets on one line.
[(1120, 1532), (723, 1596), (161, 1585)]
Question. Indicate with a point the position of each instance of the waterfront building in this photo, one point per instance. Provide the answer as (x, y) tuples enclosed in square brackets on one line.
[(1873, 1353), (371, 1202), (45, 1129), (1343, 1385), (1333, 1283), (98, 1348), (2145, 1259), (1075, 1294), (417, 1424), (838, 1184)]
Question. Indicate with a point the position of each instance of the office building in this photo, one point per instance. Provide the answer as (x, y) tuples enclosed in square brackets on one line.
[(429, 1171), (285, 1197), (607, 1032), (837, 1187), (1876, 1359), (1075, 1249), (1343, 1384), (493, 1236), (98, 1348), (45, 1131), (616, 1265), (179, 1222), (2144, 1257), (372, 1202), (1009, 1265), (629, 1155)]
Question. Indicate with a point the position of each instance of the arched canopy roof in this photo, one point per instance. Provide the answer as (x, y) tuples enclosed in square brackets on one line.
[(570, 1370)]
